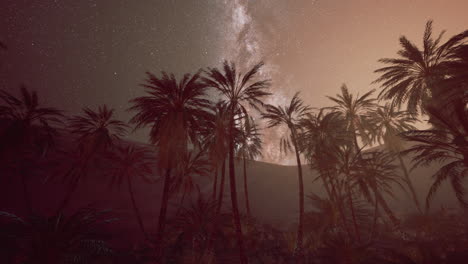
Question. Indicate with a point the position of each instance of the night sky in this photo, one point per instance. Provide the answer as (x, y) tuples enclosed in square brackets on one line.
[(87, 53)]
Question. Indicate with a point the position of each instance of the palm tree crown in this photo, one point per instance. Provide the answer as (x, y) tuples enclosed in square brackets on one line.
[(413, 77), (174, 111)]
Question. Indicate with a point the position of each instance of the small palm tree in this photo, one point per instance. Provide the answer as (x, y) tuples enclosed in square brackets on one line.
[(58, 239), (322, 138), (414, 76), (290, 116), (249, 149), (389, 123), (374, 175), (175, 111), (355, 113), (196, 228), (129, 162), (215, 142), (238, 91), (95, 132), (446, 143), (192, 166), (322, 135)]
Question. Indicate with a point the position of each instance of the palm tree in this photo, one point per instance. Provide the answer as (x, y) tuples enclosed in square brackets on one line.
[(238, 91), (355, 112), (201, 224), (414, 76), (129, 162), (57, 239), (389, 123), (249, 148), (175, 111), (194, 164), (322, 137), (290, 116), (374, 175), (96, 132), (446, 143), (215, 142), (26, 123), (26, 130)]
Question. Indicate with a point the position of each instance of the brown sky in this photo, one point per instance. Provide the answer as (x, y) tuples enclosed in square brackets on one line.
[(315, 46)]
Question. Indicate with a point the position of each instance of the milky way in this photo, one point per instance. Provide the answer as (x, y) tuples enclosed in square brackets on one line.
[(87, 53)]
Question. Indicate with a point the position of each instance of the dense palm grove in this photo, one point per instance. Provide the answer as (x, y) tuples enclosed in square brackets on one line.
[(193, 135)]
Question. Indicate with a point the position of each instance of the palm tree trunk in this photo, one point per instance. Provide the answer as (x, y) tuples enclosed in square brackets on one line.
[(232, 184), (27, 195), (246, 191), (409, 183), (353, 214), (299, 254), (376, 213), (387, 209), (221, 187), (162, 213), (68, 196), (135, 208), (326, 185), (338, 201), (181, 202), (215, 182)]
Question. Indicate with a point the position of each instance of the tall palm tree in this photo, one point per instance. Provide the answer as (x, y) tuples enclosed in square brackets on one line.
[(290, 116), (446, 143), (355, 112), (249, 149), (388, 124), (96, 132), (238, 91), (129, 162), (174, 110), (414, 76), (27, 130)]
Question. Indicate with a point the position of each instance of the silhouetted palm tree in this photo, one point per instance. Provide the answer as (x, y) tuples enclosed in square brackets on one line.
[(194, 164), (322, 137), (446, 143), (25, 123), (95, 132), (27, 131), (374, 175), (197, 227), (290, 116), (238, 91), (175, 111), (215, 142), (127, 163), (58, 239), (249, 149), (389, 123), (355, 112), (413, 77)]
